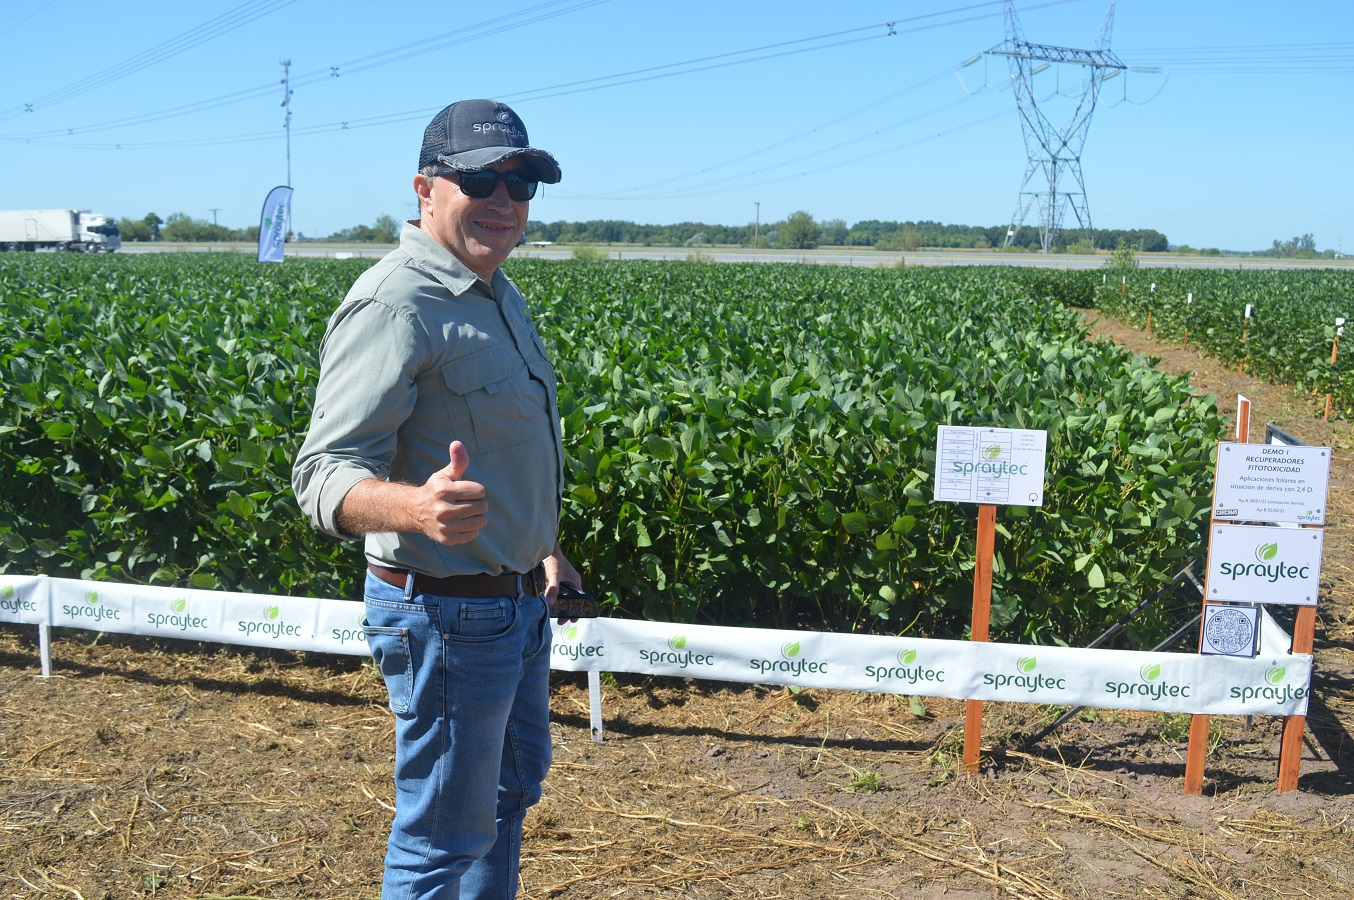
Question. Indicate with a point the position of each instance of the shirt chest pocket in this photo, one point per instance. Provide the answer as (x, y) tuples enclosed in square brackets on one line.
[(485, 399)]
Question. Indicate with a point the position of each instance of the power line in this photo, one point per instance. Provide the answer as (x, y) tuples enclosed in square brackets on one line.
[(487, 28), (882, 29), (213, 28)]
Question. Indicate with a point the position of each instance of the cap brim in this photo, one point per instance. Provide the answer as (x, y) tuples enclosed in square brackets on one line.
[(542, 164)]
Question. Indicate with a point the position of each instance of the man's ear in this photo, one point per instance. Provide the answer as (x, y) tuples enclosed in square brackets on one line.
[(423, 186)]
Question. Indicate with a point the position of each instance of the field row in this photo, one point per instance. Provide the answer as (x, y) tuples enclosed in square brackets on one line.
[(745, 443)]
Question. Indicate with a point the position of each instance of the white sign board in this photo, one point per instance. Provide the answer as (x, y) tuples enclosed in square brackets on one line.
[(1271, 483), (1230, 630), (1000, 466), (1261, 564)]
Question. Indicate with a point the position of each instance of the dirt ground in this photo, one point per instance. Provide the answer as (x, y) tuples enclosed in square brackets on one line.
[(165, 769)]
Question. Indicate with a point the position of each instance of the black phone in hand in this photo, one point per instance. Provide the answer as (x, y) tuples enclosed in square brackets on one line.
[(571, 603)]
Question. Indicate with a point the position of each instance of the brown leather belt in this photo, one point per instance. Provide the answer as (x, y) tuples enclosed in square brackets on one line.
[(531, 584)]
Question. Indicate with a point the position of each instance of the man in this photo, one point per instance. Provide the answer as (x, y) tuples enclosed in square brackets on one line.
[(435, 436)]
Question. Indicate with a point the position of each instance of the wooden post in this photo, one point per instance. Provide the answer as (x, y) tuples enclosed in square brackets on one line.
[(1198, 724), (978, 628), (1334, 348), (1290, 747)]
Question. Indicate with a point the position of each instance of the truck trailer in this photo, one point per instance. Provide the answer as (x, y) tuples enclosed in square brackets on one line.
[(58, 229)]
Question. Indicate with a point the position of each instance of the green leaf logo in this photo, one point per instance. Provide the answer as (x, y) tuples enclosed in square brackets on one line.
[(9, 591), (1150, 672), (271, 613), (570, 632), (992, 451), (1266, 552), (1027, 664), (790, 650), (1276, 674), (677, 642), (91, 597), (180, 605), (907, 657)]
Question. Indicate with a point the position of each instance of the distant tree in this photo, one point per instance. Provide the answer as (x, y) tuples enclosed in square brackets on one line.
[(1303, 247), (134, 230), (698, 238), (799, 232), (182, 227), (384, 231), (834, 232), (1123, 257), (387, 230), (154, 222)]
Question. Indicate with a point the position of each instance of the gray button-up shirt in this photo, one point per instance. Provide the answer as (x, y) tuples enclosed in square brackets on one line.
[(419, 355)]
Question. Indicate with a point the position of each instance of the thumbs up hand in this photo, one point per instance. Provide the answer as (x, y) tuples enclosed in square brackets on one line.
[(449, 510)]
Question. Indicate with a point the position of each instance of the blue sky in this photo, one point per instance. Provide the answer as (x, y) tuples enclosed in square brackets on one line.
[(721, 112)]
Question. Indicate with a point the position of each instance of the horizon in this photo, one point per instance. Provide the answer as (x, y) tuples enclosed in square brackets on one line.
[(717, 114)]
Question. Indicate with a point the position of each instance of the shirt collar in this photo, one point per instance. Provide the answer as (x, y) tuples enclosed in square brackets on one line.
[(441, 262)]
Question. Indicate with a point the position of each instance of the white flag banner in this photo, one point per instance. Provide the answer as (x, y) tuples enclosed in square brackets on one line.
[(1274, 683), (273, 224)]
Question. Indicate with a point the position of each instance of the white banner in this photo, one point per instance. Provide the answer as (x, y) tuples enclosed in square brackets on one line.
[(1271, 684), (273, 224)]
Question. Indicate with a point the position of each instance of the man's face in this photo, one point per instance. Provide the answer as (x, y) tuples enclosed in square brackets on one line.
[(480, 233)]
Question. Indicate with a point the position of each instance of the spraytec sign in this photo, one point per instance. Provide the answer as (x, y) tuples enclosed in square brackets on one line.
[(999, 466), (1261, 564), (1271, 483)]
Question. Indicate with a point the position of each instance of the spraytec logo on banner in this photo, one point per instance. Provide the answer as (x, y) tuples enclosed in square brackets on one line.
[(1276, 688), (92, 611), (570, 645), (354, 635), (1258, 564), (1149, 685), (676, 653), (906, 670), (14, 603), (270, 625), (179, 618), (789, 663), (1026, 678)]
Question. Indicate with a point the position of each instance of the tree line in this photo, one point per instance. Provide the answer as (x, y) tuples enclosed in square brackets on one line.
[(800, 231), (181, 227)]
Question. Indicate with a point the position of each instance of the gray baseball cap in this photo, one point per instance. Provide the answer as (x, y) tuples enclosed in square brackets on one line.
[(470, 135)]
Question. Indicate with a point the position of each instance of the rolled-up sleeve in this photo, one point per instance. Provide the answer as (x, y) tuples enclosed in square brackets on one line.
[(369, 361)]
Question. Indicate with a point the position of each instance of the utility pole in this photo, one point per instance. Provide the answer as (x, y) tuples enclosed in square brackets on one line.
[(1053, 152), (214, 211), (286, 104), (757, 228)]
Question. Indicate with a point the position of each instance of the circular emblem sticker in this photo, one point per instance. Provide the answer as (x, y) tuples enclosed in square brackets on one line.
[(1230, 631)]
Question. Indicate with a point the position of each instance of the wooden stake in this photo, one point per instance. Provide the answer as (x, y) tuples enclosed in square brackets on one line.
[(1334, 348), (1245, 326), (1197, 754), (1290, 748), (979, 627), (1198, 750)]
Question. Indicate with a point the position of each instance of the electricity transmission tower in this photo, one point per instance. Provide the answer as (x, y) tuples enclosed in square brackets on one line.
[(1053, 182)]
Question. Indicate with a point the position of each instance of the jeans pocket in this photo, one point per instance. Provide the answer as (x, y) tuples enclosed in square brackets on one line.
[(390, 650), (483, 620)]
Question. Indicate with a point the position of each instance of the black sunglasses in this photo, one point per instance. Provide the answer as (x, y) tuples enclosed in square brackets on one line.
[(483, 183)]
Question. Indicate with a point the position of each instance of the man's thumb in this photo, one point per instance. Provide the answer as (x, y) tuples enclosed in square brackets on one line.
[(460, 461)]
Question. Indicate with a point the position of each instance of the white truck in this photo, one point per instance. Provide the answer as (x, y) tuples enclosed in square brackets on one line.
[(58, 229)]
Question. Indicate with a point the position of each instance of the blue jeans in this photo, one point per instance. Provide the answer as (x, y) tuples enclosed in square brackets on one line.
[(469, 683)]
